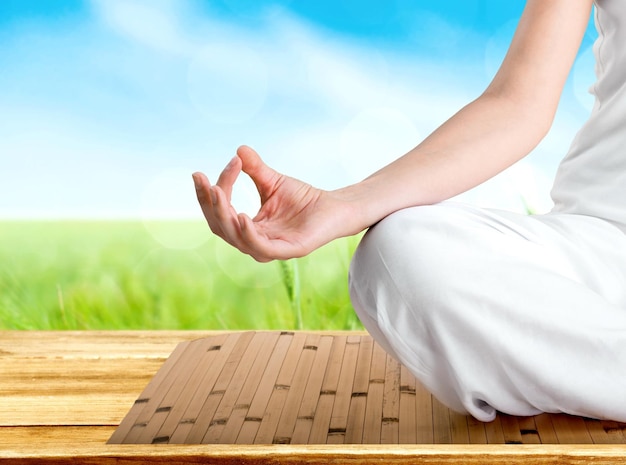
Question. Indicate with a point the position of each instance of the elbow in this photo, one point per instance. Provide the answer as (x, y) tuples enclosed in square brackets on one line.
[(530, 112), (542, 120), (542, 125)]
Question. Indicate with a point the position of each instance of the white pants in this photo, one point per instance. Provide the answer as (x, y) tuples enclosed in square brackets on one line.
[(496, 311)]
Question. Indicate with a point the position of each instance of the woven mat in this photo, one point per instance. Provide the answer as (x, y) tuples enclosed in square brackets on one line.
[(299, 388)]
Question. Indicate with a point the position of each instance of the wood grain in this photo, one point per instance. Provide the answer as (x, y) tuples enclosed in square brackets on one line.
[(64, 394)]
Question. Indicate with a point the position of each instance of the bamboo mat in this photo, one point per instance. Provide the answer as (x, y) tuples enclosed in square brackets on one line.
[(301, 388)]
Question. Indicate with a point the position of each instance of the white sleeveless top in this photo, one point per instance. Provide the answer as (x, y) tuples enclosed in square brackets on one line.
[(591, 180)]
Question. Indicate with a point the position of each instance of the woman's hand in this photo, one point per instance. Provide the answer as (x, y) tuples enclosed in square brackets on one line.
[(294, 219)]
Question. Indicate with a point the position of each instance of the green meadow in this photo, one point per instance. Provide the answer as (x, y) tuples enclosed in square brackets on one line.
[(162, 275)]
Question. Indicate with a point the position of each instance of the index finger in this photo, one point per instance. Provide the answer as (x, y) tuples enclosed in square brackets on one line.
[(205, 194)]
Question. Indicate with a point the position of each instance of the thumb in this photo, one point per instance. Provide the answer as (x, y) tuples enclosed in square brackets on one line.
[(263, 176)]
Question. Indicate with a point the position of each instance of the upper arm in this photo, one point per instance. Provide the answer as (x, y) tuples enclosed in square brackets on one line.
[(541, 55)]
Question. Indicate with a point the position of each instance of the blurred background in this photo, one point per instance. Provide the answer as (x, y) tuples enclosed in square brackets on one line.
[(108, 106)]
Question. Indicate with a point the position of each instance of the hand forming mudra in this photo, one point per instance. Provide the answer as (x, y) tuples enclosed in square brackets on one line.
[(293, 220)]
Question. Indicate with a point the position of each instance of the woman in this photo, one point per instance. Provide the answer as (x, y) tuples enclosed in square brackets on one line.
[(491, 310)]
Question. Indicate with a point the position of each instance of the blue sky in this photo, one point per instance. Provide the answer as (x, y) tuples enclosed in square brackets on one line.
[(108, 106)]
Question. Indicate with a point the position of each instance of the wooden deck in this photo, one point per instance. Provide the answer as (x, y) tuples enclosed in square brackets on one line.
[(252, 398)]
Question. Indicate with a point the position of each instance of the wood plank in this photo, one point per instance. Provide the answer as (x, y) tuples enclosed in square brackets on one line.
[(50, 377), (82, 391), (407, 416), (375, 395), (545, 428), (311, 396), (289, 414), (493, 429), (528, 430), (442, 433), (83, 449), (323, 412), (52, 437), (343, 396), (68, 410), (571, 430), (510, 429), (389, 433), (605, 432), (476, 429), (424, 415), (360, 388), (94, 345), (459, 432)]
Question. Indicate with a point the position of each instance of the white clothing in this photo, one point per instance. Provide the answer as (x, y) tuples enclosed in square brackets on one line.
[(497, 311), (493, 310), (591, 180)]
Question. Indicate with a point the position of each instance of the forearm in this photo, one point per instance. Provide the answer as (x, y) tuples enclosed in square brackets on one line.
[(489, 134), (481, 140)]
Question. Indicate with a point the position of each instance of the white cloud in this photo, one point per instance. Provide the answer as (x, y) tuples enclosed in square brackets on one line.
[(155, 23)]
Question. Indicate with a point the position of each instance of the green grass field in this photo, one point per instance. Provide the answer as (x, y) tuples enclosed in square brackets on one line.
[(162, 275)]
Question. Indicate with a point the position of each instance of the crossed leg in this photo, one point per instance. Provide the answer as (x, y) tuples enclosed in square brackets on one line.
[(495, 311)]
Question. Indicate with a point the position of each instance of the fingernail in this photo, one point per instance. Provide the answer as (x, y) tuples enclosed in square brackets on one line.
[(213, 196), (231, 162), (196, 181)]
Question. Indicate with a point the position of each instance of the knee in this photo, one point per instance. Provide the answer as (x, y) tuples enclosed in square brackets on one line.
[(417, 269), (416, 251)]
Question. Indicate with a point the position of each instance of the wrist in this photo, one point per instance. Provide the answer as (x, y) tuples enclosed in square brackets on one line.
[(361, 205)]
